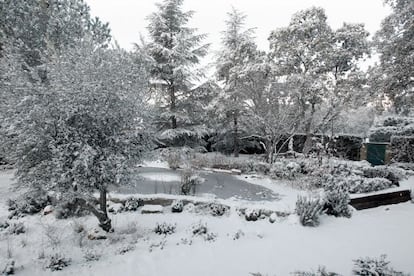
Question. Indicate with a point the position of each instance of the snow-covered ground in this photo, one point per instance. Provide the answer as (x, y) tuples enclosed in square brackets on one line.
[(235, 247)]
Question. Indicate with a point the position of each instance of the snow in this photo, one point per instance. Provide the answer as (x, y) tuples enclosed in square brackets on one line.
[(268, 248), (162, 177)]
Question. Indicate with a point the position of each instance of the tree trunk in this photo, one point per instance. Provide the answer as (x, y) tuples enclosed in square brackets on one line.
[(308, 130), (235, 136), (104, 220), (173, 107)]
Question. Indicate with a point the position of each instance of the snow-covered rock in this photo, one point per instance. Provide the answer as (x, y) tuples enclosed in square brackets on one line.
[(273, 218), (97, 234), (47, 210), (152, 209)]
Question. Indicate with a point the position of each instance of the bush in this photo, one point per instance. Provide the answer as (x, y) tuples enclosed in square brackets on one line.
[(189, 181), (132, 204), (30, 203), (217, 209), (174, 160), (9, 269), (374, 267), (58, 262), (252, 214), (17, 228), (308, 210), (370, 185), (320, 272), (336, 197), (199, 229), (285, 170), (165, 228), (177, 206)]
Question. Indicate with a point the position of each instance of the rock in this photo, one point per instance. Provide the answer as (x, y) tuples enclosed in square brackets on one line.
[(152, 209), (273, 218), (47, 210), (236, 172), (177, 206), (97, 234)]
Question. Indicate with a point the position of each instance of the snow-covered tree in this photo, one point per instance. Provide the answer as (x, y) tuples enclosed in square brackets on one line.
[(175, 50), (237, 52), (319, 63), (79, 132), (395, 44), (42, 28)]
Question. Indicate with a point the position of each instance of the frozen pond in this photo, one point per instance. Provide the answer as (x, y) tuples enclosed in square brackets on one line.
[(160, 180)]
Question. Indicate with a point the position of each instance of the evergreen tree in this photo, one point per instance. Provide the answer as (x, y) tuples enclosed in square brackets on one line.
[(395, 44), (175, 50), (237, 52)]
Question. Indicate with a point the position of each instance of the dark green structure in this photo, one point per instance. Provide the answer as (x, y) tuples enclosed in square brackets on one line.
[(377, 153)]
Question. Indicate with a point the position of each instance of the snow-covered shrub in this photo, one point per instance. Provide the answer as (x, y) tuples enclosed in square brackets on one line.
[(177, 206), (336, 197), (285, 170), (126, 248), (308, 209), (132, 204), (375, 267), (320, 272), (217, 209), (17, 228), (238, 234), (252, 214), (383, 172), (165, 228), (57, 262), (174, 160), (9, 268), (4, 225), (370, 185), (189, 181), (29, 203), (199, 229), (91, 256), (69, 208)]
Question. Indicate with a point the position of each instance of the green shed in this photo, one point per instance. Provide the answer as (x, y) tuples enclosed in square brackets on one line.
[(376, 153)]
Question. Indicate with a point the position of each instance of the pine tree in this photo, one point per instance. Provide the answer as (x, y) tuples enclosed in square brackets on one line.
[(175, 50), (237, 52)]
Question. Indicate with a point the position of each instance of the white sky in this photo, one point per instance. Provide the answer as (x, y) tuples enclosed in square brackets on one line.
[(127, 18)]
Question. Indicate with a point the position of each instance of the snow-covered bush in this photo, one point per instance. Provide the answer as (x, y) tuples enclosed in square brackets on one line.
[(370, 185), (308, 209), (252, 214), (375, 267), (29, 203), (9, 269), (217, 209), (174, 160), (199, 229), (57, 262), (336, 197), (165, 228), (91, 256), (17, 228), (132, 204), (285, 170), (177, 206), (320, 272), (189, 181)]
